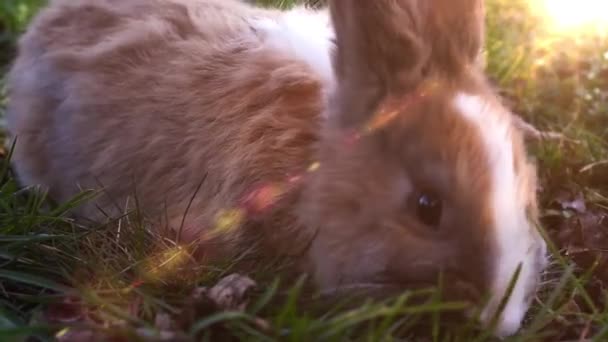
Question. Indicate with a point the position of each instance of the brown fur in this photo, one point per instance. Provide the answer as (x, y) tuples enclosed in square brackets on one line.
[(155, 96), (162, 97)]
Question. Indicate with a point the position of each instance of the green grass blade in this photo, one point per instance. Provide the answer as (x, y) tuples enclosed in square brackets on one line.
[(34, 280)]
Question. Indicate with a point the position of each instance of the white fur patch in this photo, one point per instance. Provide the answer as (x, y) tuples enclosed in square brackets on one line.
[(514, 236), (306, 34)]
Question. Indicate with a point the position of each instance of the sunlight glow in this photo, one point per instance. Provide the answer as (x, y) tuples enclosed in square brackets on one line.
[(568, 16)]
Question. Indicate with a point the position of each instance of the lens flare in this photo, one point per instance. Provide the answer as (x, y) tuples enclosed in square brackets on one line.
[(264, 197), (380, 120)]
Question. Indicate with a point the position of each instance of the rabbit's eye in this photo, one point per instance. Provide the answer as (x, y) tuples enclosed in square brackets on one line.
[(428, 209)]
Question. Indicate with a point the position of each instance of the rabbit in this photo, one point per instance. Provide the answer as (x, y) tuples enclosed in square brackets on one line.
[(364, 135)]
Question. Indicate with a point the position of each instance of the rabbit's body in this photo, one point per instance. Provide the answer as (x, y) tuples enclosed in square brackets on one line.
[(218, 96), (386, 157)]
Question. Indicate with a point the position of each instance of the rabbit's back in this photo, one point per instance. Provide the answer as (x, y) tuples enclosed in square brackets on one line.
[(152, 97)]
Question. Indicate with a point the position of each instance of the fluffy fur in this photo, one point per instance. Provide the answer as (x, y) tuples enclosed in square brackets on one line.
[(304, 34), (206, 104)]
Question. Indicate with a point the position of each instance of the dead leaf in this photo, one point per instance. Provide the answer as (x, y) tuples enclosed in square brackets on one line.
[(232, 292)]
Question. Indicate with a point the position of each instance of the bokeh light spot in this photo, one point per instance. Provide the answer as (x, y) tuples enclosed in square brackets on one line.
[(62, 333), (228, 220), (314, 167)]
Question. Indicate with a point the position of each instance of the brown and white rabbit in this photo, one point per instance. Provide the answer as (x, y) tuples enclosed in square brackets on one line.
[(365, 133)]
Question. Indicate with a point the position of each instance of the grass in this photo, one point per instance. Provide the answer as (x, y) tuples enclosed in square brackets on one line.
[(53, 269)]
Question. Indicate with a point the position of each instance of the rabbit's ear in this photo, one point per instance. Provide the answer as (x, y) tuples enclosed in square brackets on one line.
[(378, 44), (456, 30), (388, 46)]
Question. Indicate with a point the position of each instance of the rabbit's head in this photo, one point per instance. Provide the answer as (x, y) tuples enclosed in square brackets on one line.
[(421, 170)]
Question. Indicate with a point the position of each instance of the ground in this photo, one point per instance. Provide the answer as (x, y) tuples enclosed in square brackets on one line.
[(57, 276)]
